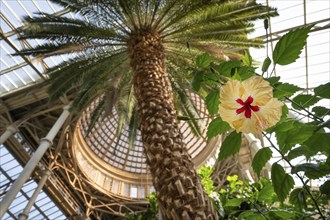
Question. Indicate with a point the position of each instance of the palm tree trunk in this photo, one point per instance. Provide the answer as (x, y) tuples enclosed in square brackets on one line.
[(179, 190)]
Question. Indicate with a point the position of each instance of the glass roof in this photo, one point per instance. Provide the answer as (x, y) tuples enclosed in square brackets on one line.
[(312, 68), (43, 208), (17, 72)]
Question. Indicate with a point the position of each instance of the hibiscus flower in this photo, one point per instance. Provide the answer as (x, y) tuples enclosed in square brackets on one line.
[(249, 106)]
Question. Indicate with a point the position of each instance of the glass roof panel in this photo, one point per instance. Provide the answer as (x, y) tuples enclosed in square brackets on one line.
[(9, 171), (26, 71)]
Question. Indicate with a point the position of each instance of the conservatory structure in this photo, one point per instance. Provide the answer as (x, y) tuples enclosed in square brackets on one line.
[(53, 166)]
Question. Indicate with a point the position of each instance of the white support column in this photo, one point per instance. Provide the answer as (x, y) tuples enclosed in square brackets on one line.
[(45, 143), (11, 129), (25, 214)]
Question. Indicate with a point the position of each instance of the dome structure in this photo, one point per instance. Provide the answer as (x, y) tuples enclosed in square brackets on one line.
[(118, 167)]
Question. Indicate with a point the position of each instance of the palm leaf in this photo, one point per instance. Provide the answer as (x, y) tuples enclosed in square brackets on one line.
[(96, 115), (185, 105), (132, 129), (98, 40)]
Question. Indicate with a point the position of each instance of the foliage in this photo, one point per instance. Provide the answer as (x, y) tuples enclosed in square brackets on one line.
[(243, 199), (205, 174), (230, 145), (104, 42), (290, 138), (150, 214), (98, 38)]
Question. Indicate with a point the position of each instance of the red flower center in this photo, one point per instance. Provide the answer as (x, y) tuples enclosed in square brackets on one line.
[(247, 107)]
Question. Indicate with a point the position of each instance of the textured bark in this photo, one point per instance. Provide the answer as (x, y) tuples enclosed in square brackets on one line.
[(179, 190)]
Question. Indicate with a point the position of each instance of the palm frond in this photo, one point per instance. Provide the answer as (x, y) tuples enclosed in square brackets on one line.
[(76, 72), (63, 29), (93, 85), (101, 13), (98, 39), (132, 129), (110, 100), (186, 106), (125, 103), (96, 115), (219, 28), (179, 11), (226, 13), (54, 49), (73, 5)]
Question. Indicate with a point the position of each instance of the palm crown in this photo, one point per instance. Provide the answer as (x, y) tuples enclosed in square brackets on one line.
[(105, 42), (99, 40)]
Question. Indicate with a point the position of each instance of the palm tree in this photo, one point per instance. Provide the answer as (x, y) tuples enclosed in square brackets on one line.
[(136, 48)]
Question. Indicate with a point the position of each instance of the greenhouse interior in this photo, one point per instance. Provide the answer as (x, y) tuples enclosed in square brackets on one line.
[(165, 109)]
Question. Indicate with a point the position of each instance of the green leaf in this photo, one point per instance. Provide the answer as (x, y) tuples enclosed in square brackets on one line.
[(323, 90), (284, 126), (245, 72), (285, 89), (325, 188), (297, 134), (266, 64), (304, 101), (230, 145), (256, 216), (247, 59), (211, 78), (216, 127), (321, 111), (319, 142), (312, 170), (204, 60), (225, 68), (266, 193), (212, 102), (282, 181), (301, 151), (273, 80), (298, 198), (283, 214), (289, 47), (205, 173), (245, 214), (236, 76), (233, 202), (285, 112), (260, 159), (232, 178), (196, 81), (251, 215)]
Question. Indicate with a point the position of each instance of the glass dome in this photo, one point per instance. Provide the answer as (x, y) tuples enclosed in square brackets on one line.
[(108, 160)]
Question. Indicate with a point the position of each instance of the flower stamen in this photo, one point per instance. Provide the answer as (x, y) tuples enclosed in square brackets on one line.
[(247, 107)]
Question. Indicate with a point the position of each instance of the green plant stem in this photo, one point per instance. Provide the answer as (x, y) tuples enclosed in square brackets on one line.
[(298, 112), (304, 109), (301, 179), (217, 81), (258, 209), (222, 78), (271, 73)]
